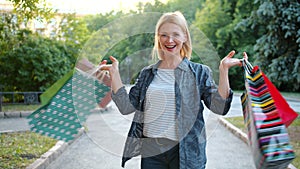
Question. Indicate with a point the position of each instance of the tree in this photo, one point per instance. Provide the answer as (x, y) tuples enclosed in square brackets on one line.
[(130, 37), (221, 21), (30, 62), (212, 17), (73, 32), (27, 10), (188, 8), (96, 22), (34, 64), (277, 51)]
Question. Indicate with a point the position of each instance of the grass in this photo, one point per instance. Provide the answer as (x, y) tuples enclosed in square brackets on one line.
[(18, 150), (10, 108), (293, 130)]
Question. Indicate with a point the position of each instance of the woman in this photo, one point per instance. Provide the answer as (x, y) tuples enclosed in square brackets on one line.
[(168, 125)]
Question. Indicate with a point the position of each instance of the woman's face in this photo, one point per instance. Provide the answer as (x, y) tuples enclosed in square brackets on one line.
[(171, 39)]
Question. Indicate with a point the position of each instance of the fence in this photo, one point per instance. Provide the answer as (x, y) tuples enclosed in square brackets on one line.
[(13, 98)]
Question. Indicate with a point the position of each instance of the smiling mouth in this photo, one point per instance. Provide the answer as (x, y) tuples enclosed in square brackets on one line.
[(170, 46)]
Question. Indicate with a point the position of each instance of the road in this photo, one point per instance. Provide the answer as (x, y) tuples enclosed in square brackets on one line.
[(236, 107)]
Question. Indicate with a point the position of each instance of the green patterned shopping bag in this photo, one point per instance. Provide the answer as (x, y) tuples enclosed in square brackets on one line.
[(70, 101)]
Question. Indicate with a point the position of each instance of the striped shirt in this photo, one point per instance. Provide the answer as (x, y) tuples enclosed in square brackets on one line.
[(159, 120)]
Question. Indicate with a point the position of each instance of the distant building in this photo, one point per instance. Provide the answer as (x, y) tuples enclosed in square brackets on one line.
[(37, 25)]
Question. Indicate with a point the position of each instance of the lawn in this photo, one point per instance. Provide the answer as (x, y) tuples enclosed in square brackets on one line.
[(20, 149), (293, 130), (11, 108)]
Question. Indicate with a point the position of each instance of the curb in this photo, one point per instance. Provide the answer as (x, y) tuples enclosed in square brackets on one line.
[(240, 134), (23, 114), (236, 131), (49, 156), (52, 154), (17, 114)]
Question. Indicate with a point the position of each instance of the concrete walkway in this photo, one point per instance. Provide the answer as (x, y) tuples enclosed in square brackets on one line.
[(102, 145)]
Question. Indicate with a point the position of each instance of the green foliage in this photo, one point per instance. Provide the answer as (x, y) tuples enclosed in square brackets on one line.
[(212, 17), (220, 21), (277, 50), (31, 62), (238, 24), (31, 9), (13, 108), (34, 63), (188, 8), (130, 37), (96, 22), (18, 150), (121, 37), (73, 32)]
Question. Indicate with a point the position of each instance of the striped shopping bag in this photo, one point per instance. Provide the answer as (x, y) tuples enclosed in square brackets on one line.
[(267, 132), (67, 104)]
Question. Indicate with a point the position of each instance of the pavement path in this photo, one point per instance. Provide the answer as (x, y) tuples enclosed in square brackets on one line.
[(13, 124), (102, 145)]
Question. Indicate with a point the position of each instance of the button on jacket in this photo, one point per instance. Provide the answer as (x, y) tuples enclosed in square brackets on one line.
[(193, 84)]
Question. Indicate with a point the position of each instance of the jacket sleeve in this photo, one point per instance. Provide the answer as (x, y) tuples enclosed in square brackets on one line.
[(121, 99), (130, 102), (211, 96)]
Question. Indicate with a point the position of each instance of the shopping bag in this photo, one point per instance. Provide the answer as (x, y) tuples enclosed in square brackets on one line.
[(267, 134), (67, 104), (286, 113)]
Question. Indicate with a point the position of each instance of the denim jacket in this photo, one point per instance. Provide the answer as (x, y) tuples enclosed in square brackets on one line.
[(193, 84)]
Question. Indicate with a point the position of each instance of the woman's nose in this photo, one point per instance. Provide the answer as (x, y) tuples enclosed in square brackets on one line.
[(170, 39)]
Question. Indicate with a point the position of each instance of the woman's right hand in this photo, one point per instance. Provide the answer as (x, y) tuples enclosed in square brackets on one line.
[(113, 69)]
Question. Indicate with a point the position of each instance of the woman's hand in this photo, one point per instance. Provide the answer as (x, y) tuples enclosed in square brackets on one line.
[(228, 61), (113, 69)]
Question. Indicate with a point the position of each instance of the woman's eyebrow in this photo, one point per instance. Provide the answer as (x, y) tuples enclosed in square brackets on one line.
[(176, 32)]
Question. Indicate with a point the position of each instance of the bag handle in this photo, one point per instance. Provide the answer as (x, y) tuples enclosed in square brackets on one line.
[(247, 66)]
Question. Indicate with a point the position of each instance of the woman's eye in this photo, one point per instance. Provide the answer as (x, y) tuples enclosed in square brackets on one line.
[(176, 35)]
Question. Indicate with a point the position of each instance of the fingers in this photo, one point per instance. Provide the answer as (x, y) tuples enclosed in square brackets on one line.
[(113, 59), (231, 54), (245, 55), (103, 62), (105, 67)]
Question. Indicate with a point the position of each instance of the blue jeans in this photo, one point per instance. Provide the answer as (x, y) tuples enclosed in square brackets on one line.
[(168, 159)]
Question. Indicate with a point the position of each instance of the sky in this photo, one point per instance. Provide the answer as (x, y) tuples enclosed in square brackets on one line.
[(95, 6)]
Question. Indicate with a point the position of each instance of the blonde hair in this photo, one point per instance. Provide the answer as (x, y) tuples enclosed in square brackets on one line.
[(178, 19)]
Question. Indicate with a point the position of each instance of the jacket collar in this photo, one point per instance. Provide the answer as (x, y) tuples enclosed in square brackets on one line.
[(184, 65)]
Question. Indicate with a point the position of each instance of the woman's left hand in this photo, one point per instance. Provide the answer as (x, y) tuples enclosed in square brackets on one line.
[(228, 61)]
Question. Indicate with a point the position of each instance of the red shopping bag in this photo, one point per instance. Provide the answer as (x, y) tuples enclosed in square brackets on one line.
[(287, 114), (267, 132)]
